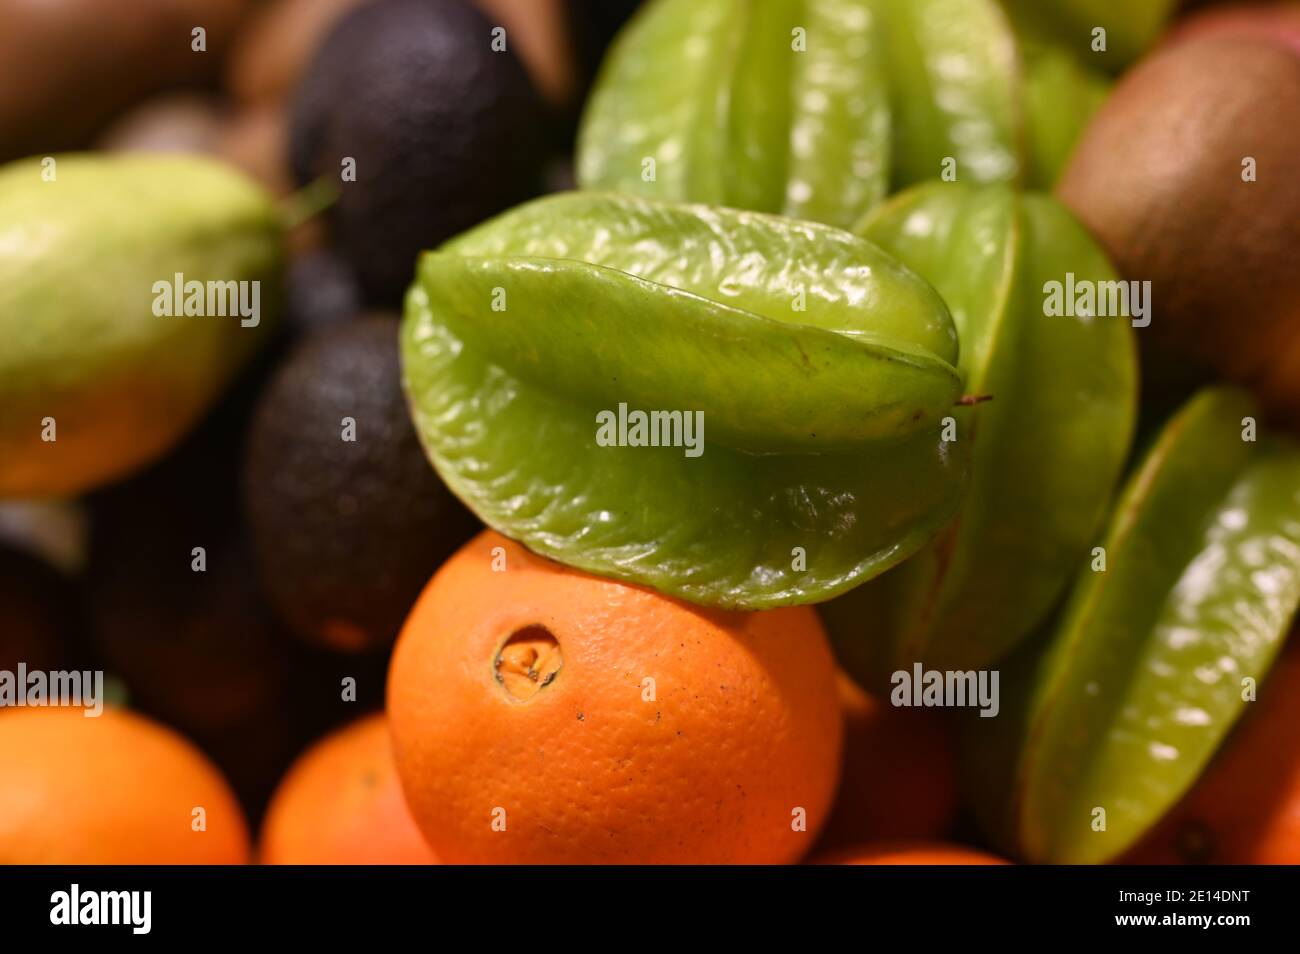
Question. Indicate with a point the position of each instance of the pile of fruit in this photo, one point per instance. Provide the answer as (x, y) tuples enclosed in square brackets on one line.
[(695, 431)]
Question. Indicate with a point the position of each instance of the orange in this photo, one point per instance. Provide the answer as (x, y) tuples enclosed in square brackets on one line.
[(1245, 809), (541, 714), (899, 776), (909, 853), (116, 789), (341, 804)]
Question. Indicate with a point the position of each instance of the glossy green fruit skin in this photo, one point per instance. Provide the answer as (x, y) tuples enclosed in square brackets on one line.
[(822, 425), (1047, 448), (1142, 676), (717, 95), (79, 256), (1061, 95)]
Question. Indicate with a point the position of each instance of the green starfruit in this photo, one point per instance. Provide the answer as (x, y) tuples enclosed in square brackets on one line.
[(818, 109), (99, 375), (1047, 448), (821, 368), (1183, 606), (1060, 97), (1103, 34)]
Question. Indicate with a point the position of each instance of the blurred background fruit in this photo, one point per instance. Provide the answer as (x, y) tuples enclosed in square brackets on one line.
[(899, 775), (196, 647), (253, 140), (341, 803), (1187, 179), (100, 375), (1130, 28), (1060, 96), (321, 289), (197, 650), (267, 60), (202, 649), (1277, 22), (541, 33), (67, 67), (443, 131), (57, 531), (272, 52), (819, 111), (542, 715), (1110, 718), (256, 141), (111, 789), (348, 520), (1245, 809), (598, 21), (173, 122), (39, 622)]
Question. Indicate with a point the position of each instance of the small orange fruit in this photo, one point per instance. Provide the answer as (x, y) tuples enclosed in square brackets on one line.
[(544, 715), (899, 776), (1245, 809), (909, 853), (341, 804), (113, 789)]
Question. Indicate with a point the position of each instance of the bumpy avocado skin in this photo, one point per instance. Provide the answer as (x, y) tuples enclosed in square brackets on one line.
[(443, 132), (349, 520), (84, 359)]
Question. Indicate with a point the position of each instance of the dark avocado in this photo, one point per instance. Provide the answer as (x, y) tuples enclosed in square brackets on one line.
[(1189, 184), (444, 131), (346, 532), (321, 288)]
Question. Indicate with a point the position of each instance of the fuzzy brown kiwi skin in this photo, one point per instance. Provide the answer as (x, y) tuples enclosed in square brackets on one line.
[(1157, 178)]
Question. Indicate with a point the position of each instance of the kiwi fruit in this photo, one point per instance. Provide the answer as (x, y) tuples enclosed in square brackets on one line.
[(348, 519), (1276, 22), (440, 129), (1187, 177)]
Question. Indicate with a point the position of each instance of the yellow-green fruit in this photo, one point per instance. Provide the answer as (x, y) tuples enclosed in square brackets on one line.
[(102, 366)]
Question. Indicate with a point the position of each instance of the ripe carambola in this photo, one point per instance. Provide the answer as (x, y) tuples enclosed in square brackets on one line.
[(1047, 447), (822, 367), (818, 109), (1111, 719), (1102, 32)]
